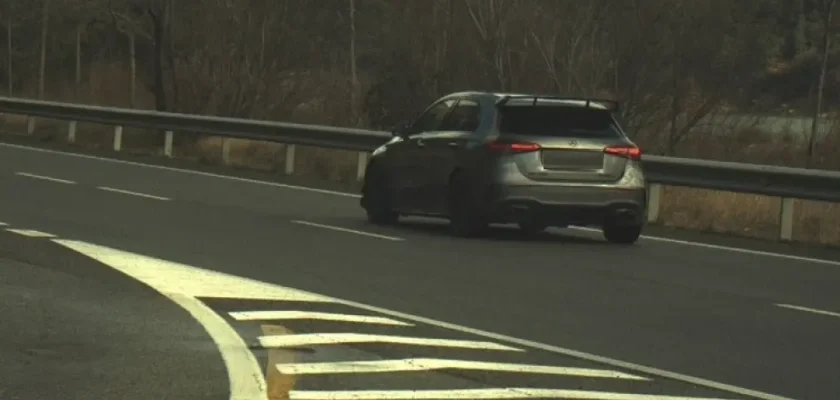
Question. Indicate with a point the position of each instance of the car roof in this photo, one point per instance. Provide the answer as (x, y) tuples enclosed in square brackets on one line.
[(592, 103)]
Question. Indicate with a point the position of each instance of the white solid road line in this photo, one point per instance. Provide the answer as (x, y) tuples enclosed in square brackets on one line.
[(477, 394), (569, 352), (287, 315), (313, 339), (356, 196), (128, 192), (31, 233), (45, 178), (346, 230), (725, 248), (246, 383), (810, 310), (428, 364), (171, 277)]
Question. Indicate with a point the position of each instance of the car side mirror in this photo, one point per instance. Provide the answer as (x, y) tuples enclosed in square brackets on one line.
[(401, 129)]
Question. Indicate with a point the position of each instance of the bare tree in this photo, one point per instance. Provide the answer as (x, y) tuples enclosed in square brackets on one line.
[(489, 18), (354, 77), (825, 10), (42, 71), (572, 45), (10, 54)]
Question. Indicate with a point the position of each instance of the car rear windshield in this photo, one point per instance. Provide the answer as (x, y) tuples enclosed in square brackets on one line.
[(558, 121)]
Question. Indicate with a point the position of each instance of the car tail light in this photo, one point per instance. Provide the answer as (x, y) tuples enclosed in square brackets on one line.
[(513, 147), (630, 152)]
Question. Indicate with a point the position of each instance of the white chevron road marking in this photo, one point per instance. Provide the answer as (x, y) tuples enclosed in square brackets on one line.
[(186, 284), (311, 339), (171, 277), (428, 364), (31, 233), (287, 315)]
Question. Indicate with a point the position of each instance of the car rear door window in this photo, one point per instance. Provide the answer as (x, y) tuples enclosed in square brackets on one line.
[(464, 117), (432, 118), (558, 121)]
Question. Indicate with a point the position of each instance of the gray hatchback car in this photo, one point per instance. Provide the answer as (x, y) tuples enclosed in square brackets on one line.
[(480, 158)]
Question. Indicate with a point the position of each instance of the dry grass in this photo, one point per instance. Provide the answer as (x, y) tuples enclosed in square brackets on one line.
[(748, 215), (333, 165), (698, 209)]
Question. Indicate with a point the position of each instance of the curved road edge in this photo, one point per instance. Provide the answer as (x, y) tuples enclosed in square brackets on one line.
[(73, 329)]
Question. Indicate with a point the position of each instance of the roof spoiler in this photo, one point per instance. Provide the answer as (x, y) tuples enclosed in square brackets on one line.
[(611, 105)]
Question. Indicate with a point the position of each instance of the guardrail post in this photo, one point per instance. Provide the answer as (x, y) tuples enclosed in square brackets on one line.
[(30, 125), (361, 166), (654, 196), (226, 151), (167, 144), (71, 132), (786, 219), (290, 159), (118, 130)]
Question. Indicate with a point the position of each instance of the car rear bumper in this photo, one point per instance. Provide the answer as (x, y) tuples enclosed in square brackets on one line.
[(567, 205)]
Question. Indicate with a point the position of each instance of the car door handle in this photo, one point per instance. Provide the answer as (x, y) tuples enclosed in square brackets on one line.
[(453, 144), (420, 143)]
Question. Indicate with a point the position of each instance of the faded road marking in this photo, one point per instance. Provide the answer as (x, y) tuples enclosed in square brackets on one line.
[(279, 384)]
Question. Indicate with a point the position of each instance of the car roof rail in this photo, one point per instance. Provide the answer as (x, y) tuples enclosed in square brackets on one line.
[(611, 105)]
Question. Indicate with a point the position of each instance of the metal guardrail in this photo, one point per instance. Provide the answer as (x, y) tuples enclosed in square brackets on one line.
[(787, 183)]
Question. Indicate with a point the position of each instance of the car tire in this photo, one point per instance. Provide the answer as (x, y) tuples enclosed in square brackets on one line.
[(532, 228), (465, 216), (377, 199), (622, 234)]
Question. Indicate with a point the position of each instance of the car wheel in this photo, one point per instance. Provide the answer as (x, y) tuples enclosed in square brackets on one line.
[(377, 199), (532, 227), (622, 234), (465, 217)]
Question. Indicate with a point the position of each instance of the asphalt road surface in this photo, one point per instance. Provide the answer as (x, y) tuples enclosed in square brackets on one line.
[(72, 329), (734, 312)]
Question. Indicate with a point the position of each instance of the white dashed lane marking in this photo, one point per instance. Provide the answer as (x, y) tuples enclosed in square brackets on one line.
[(45, 178), (132, 193), (347, 230), (810, 310)]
